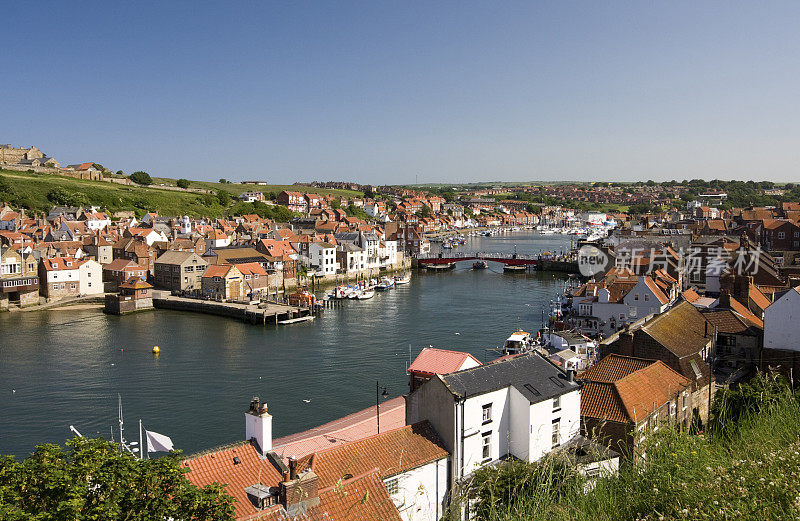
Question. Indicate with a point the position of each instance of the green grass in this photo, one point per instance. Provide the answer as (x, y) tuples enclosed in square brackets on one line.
[(39, 192), (751, 471), (238, 188)]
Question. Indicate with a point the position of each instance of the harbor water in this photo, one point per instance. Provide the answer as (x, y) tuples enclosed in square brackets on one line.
[(66, 367)]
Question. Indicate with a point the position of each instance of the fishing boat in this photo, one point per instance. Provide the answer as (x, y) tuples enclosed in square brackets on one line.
[(518, 342), (511, 268), (404, 279), (479, 265)]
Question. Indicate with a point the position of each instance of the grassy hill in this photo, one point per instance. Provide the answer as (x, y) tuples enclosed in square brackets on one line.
[(39, 192)]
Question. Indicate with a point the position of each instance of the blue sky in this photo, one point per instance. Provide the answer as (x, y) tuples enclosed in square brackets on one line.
[(390, 92)]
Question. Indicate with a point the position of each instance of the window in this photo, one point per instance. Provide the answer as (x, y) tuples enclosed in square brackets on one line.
[(781, 235), (556, 404), (796, 235), (673, 408), (685, 400), (556, 432), (646, 297), (487, 413), (486, 446), (636, 296), (393, 485)]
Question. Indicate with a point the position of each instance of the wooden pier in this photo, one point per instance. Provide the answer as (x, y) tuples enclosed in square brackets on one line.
[(271, 314)]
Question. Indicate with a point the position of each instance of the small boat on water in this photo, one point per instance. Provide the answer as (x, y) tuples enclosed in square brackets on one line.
[(479, 265), (365, 294), (404, 279), (440, 267), (384, 284), (510, 268)]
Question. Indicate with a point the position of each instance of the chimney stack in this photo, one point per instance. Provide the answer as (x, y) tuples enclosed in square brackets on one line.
[(292, 468), (258, 425)]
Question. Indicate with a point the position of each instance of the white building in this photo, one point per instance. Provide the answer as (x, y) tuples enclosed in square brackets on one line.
[(523, 407), (322, 257), (607, 309), (251, 197), (90, 278), (782, 322)]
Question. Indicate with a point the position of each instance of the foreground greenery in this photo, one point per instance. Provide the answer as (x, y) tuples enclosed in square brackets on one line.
[(93, 480), (746, 467), (38, 193)]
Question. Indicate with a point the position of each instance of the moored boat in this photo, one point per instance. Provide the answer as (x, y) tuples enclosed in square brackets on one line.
[(404, 279), (366, 294), (479, 265)]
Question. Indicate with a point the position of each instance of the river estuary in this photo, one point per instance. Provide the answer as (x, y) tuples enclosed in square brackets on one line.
[(65, 367)]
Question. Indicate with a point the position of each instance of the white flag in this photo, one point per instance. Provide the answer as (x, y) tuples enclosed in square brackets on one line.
[(158, 442)]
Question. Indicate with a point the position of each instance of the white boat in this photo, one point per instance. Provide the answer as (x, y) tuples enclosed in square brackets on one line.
[(385, 283), (405, 279), (518, 342), (364, 295)]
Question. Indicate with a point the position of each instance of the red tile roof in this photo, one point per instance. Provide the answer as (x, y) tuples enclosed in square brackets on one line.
[(628, 389), (439, 361), (390, 453), (60, 263), (362, 498), (218, 467), (217, 270)]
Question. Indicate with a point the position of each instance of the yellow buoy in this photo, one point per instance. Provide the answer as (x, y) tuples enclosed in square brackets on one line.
[(156, 350)]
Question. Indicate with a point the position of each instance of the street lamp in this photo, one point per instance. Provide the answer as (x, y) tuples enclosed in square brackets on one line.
[(380, 390)]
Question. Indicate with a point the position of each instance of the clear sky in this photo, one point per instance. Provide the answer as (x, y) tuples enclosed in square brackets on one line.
[(389, 92)]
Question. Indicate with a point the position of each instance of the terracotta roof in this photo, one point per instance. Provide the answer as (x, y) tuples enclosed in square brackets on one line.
[(681, 330), (432, 361), (217, 270), (135, 283), (120, 264), (60, 263), (218, 467), (613, 367), (758, 298), (632, 397), (656, 290), (361, 498), (390, 453), (690, 295), (250, 268)]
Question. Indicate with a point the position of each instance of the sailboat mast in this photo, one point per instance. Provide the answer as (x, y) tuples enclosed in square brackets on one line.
[(141, 447)]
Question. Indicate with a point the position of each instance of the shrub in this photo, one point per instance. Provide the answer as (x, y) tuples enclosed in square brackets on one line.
[(183, 183), (141, 178)]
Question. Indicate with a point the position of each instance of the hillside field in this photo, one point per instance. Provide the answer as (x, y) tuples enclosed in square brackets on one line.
[(39, 192)]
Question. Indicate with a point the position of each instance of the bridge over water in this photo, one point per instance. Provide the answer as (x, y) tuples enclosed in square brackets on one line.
[(540, 262)]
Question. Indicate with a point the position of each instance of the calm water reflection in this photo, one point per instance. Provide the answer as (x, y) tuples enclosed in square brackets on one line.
[(68, 366)]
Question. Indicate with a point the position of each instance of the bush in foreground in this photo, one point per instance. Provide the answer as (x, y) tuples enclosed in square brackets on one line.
[(93, 480)]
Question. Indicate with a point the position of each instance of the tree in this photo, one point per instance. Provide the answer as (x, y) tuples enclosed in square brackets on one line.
[(425, 211), (141, 178), (336, 204), (355, 211), (183, 183), (224, 197), (639, 208), (223, 180), (92, 479)]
